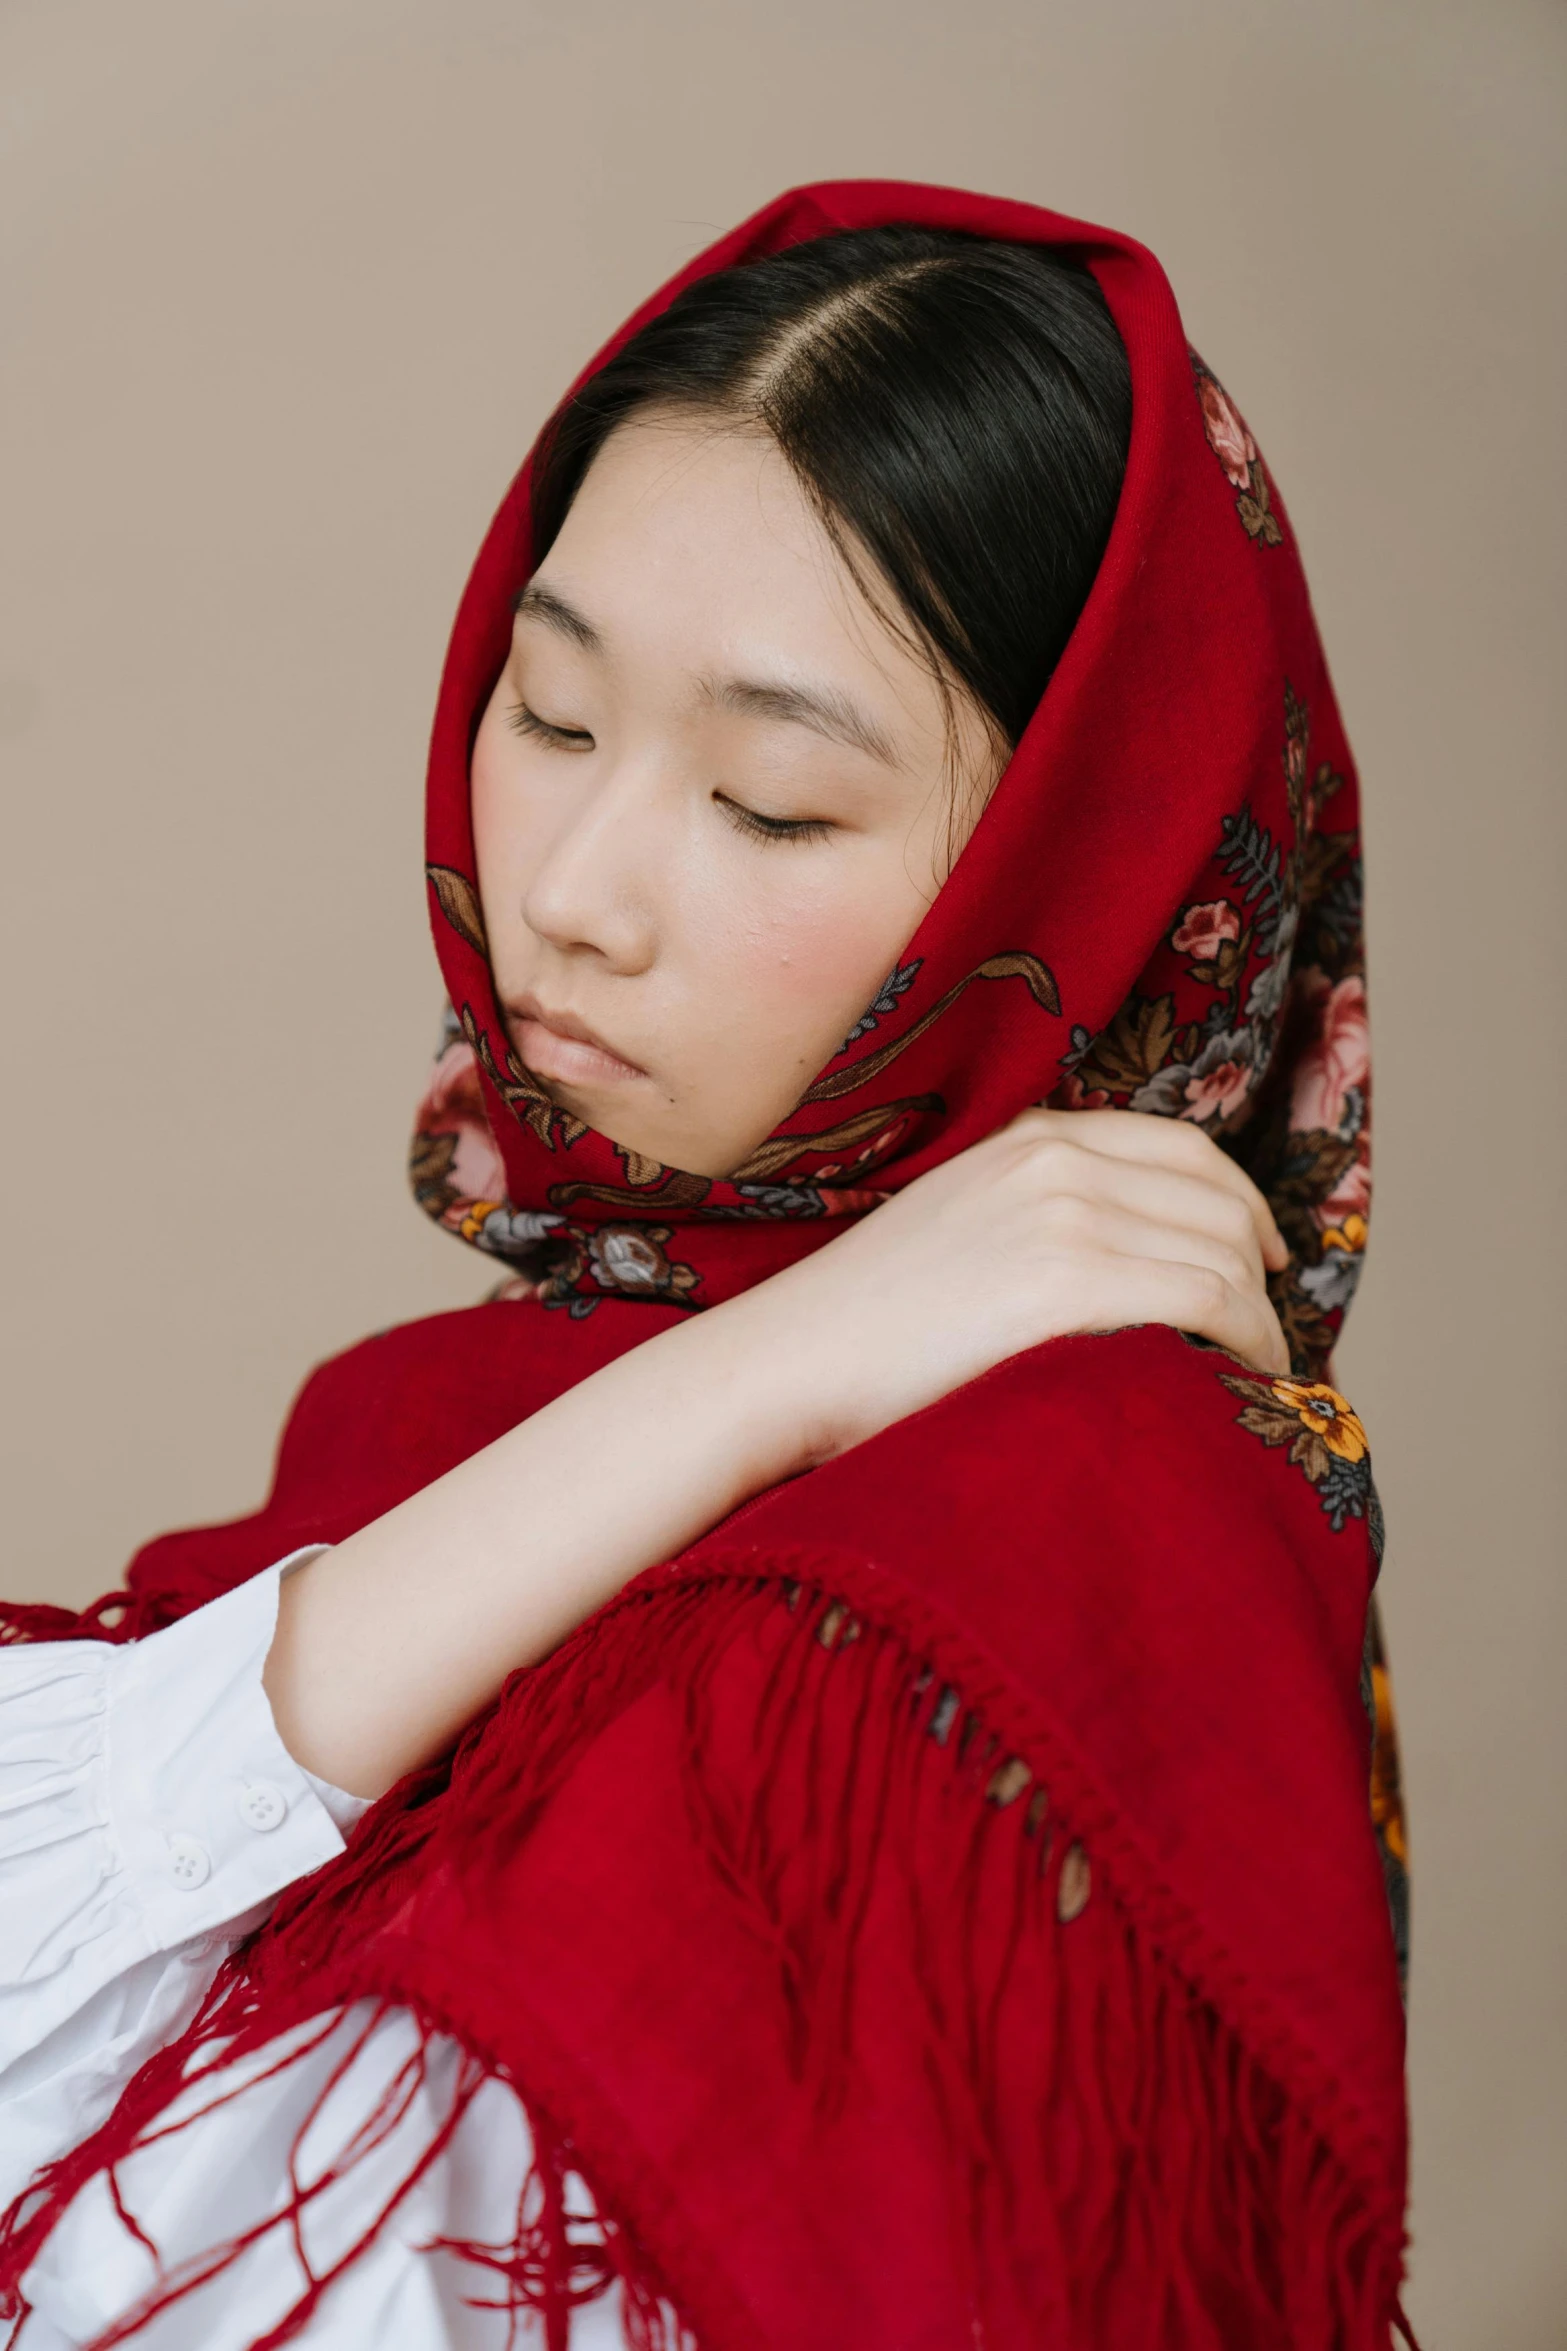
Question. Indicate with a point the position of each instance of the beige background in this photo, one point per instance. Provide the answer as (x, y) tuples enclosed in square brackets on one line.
[(288, 286)]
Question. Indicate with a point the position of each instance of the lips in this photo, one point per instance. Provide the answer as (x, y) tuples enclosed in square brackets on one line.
[(557, 1045)]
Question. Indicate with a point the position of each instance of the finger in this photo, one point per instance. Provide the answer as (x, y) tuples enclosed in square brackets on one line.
[(1145, 1136), (1174, 1172), (1241, 1318), (1243, 1323), (1190, 1298), (1185, 1204), (1095, 1227)]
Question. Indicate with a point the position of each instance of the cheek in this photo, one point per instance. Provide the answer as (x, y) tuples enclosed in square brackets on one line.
[(795, 960), (503, 849), (487, 793)]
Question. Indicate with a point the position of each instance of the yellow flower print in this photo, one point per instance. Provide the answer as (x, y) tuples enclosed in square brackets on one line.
[(1320, 1432), (1387, 1800), (1327, 1414), (1350, 1236)]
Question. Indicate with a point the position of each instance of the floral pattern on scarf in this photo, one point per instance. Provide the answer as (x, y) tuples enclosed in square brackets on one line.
[(1324, 1434), (1387, 1790), (1274, 949), (458, 1179), (1238, 454)]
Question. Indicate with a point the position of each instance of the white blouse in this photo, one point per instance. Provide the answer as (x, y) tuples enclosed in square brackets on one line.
[(150, 1815)]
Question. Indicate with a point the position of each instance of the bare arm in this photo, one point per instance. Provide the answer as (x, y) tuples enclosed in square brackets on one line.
[(389, 1644)]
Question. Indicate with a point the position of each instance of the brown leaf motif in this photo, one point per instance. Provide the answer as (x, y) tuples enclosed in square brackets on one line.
[(889, 1119), (520, 1090), (642, 1174), (1310, 1168), (1015, 964), (1307, 1332), (1255, 508), (430, 1159), (1223, 970), (459, 902), (678, 1191), (1134, 1048)]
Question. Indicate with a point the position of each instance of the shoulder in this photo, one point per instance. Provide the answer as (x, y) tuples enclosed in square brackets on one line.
[(1136, 1445), (1199, 1414)]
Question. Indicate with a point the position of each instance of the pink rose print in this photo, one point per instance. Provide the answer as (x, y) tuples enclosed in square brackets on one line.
[(453, 1090), (1228, 438), (1238, 457), (454, 1105), (1218, 1091), (1351, 1195), (1072, 1094), (1337, 1060), (1204, 929)]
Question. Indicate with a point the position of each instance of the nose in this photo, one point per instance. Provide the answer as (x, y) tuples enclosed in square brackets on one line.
[(593, 890)]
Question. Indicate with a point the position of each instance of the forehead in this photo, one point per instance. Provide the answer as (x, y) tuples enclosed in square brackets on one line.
[(692, 541)]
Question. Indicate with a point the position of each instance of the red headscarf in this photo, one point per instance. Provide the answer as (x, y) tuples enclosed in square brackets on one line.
[(944, 1905)]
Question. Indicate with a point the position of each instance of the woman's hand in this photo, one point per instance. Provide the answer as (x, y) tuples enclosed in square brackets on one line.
[(1063, 1221)]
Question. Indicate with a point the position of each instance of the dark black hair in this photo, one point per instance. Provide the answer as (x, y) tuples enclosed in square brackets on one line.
[(959, 409)]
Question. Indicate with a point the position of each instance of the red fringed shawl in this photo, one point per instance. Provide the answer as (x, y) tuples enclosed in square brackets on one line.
[(945, 1907)]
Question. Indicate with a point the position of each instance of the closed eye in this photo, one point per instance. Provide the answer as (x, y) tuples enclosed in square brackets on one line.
[(524, 721), (773, 828)]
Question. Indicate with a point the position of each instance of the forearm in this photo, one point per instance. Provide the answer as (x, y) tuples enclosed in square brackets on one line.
[(389, 1644), (1064, 1221)]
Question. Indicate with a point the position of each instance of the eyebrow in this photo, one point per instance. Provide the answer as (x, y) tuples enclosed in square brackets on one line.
[(539, 603), (822, 708)]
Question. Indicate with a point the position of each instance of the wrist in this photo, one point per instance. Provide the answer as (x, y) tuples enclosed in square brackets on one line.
[(763, 1384)]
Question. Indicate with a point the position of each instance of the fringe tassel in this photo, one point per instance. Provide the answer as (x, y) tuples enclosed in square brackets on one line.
[(41, 1620), (561, 2257), (1141, 2181)]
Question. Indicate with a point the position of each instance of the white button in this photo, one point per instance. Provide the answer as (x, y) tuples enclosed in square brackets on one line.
[(190, 1864), (262, 1804)]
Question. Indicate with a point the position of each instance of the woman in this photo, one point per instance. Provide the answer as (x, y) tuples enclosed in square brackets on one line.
[(943, 1904)]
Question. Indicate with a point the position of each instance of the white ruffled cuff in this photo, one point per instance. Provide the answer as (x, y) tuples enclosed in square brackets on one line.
[(146, 1800)]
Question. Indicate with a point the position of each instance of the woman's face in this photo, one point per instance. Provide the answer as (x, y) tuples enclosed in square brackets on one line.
[(713, 795)]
